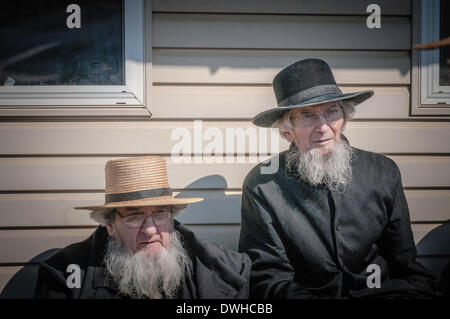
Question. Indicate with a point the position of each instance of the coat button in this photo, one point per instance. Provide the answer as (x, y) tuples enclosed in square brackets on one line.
[(338, 227)]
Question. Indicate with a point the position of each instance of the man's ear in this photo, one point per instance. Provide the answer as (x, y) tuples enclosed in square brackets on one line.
[(343, 126), (287, 135), (111, 230)]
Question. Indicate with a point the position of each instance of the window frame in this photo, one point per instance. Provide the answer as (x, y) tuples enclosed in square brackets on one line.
[(90, 100), (427, 97)]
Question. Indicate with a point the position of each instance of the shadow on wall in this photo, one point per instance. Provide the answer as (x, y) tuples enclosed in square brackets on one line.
[(217, 217), (275, 60)]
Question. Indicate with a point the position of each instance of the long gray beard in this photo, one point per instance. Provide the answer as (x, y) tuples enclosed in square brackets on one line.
[(140, 275), (331, 168)]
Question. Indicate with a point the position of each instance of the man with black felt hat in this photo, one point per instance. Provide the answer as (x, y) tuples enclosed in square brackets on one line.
[(332, 221)]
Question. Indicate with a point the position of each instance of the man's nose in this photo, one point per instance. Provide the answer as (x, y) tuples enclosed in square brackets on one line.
[(149, 227), (322, 124)]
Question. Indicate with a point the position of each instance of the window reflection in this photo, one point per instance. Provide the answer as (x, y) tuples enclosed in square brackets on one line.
[(444, 52), (38, 48)]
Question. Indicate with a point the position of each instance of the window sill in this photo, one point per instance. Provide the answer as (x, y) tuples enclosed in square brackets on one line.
[(65, 112)]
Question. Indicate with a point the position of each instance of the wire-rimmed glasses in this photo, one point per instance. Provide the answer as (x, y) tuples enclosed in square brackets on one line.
[(309, 118), (136, 220)]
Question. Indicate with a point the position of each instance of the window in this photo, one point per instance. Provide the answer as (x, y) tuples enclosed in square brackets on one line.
[(431, 68), (65, 54)]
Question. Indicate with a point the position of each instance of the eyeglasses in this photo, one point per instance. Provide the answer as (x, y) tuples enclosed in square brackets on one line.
[(310, 118), (136, 220)]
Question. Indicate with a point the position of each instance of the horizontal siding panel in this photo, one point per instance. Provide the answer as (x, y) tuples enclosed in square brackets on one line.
[(244, 102), (429, 205), (54, 209), (424, 171), (278, 32), (218, 207), (19, 246), (388, 7), (47, 209), (260, 66), (154, 137), (69, 111), (400, 137), (37, 174)]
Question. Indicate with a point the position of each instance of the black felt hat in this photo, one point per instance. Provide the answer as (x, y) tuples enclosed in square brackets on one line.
[(305, 83)]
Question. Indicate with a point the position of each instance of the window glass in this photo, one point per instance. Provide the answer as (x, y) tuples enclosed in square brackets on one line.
[(43, 44), (444, 52)]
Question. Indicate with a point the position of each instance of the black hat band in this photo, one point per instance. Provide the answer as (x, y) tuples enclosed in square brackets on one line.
[(310, 93), (148, 193)]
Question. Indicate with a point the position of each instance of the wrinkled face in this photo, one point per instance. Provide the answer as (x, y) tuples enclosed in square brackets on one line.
[(144, 229), (322, 134)]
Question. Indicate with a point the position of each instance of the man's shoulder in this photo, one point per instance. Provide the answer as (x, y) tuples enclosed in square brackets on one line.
[(363, 156), (375, 166), (256, 175), (72, 254), (78, 253), (222, 272), (212, 254), (232, 258)]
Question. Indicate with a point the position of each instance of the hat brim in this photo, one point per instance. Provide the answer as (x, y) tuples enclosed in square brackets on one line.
[(159, 201), (268, 117)]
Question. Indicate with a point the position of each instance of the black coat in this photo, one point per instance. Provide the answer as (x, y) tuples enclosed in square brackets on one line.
[(308, 242), (218, 273)]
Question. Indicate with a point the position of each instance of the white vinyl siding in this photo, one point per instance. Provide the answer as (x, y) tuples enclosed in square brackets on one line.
[(214, 60)]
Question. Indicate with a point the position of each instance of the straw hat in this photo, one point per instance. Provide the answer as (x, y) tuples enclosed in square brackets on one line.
[(138, 181)]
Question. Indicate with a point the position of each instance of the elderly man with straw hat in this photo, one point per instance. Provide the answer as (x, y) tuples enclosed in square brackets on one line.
[(140, 250), (333, 221)]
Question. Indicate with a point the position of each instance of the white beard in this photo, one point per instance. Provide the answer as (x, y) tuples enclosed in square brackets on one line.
[(331, 167), (140, 275)]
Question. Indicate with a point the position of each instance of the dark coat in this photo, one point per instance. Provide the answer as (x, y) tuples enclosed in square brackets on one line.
[(218, 273), (307, 241)]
